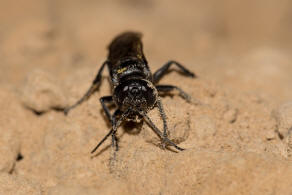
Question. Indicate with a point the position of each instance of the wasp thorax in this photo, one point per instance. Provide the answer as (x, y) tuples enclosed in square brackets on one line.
[(137, 94)]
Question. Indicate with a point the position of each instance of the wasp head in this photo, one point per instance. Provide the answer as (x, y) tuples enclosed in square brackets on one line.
[(136, 94)]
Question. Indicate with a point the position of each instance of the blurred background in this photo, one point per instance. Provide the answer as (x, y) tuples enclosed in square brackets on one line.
[(244, 45)]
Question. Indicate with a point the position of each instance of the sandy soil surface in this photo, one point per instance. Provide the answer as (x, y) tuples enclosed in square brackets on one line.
[(236, 131)]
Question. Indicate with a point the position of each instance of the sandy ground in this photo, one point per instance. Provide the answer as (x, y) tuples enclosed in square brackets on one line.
[(238, 137)]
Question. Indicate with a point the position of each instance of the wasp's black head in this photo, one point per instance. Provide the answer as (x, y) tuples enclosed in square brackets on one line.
[(137, 94)]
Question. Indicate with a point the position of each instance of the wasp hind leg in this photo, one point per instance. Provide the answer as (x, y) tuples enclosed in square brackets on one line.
[(93, 88), (163, 70)]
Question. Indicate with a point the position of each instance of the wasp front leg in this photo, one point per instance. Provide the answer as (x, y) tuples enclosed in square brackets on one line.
[(163, 135)]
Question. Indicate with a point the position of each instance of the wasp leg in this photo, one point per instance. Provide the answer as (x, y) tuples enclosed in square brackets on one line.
[(103, 100), (94, 87), (163, 116), (162, 71), (163, 136), (170, 88), (115, 125), (109, 99)]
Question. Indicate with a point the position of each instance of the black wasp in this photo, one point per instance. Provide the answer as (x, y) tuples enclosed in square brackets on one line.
[(135, 90)]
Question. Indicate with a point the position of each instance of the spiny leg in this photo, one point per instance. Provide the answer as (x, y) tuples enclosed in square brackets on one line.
[(103, 100), (115, 147), (94, 87), (163, 116), (123, 116), (113, 120), (115, 124), (161, 72), (169, 88), (158, 132)]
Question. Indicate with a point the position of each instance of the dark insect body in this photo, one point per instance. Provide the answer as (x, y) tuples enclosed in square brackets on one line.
[(135, 90)]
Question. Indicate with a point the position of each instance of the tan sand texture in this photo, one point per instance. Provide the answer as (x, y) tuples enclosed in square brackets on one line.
[(237, 130)]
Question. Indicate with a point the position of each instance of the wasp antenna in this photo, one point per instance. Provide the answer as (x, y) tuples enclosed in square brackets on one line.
[(105, 138)]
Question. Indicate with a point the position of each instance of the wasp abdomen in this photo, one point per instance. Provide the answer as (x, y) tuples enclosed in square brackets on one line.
[(127, 45)]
